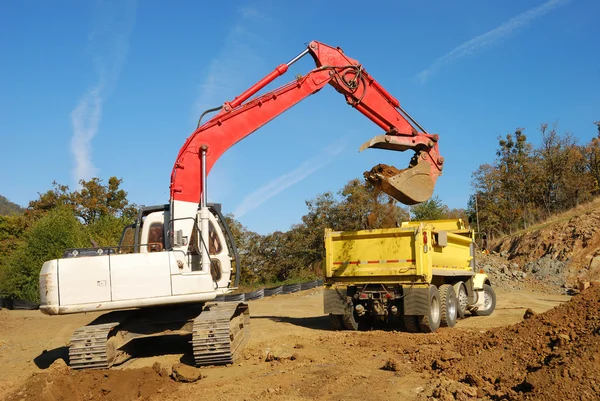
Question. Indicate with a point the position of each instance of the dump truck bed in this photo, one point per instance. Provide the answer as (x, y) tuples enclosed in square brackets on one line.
[(419, 275), (414, 253)]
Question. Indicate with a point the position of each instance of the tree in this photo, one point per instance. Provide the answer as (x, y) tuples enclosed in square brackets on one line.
[(487, 200), (591, 154), (57, 196), (47, 239), (432, 209), (565, 182), (90, 203), (525, 185), (94, 200), (514, 164), (12, 235)]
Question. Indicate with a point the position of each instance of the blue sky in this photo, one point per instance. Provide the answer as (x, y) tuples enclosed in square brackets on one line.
[(115, 87)]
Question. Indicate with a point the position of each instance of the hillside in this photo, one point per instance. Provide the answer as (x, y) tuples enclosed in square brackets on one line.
[(566, 245), (7, 207)]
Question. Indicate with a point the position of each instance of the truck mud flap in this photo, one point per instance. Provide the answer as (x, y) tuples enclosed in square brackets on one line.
[(335, 302), (416, 301)]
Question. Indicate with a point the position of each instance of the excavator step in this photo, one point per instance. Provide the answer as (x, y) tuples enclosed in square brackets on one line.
[(219, 333)]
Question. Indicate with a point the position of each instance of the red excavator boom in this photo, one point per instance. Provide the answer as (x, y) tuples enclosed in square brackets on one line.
[(241, 117)]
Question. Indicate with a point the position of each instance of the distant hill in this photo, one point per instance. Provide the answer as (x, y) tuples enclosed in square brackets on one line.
[(8, 208)]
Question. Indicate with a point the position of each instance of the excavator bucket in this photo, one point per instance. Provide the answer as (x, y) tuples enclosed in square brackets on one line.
[(409, 186)]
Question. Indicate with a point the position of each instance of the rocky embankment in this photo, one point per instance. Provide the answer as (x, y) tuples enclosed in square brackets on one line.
[(544, 274)]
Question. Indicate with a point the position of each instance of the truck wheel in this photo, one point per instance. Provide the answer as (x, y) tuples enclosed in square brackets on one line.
[(489, 302), (448, 307), (431, 321), (462, 299), (349, 321), (411, 323), (335, 322)]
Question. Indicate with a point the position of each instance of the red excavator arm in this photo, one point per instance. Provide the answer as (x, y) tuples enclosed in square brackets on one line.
[(239, 118)]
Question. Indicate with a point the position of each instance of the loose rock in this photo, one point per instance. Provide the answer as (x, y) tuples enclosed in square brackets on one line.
[(185, 373)]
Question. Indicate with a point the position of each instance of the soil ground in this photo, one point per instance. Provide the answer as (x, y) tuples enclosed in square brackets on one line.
[(293, 355)]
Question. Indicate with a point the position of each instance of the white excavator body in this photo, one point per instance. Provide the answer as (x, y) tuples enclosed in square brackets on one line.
[(117, 278)]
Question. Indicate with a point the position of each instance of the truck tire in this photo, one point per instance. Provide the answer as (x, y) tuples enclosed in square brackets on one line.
[(335, 322), (431, 321), (448, 306), (462, 299), (489, 302), (411, 323)]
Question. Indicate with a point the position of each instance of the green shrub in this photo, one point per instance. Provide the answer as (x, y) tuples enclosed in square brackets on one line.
[(47, 239)]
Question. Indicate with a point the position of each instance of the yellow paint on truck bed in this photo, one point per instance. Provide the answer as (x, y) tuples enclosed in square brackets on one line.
[(411, 253)]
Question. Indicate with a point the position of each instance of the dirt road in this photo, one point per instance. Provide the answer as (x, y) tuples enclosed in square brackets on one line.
[(308, 360)]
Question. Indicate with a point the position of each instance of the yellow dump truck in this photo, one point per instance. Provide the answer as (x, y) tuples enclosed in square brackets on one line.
[(419, 276)]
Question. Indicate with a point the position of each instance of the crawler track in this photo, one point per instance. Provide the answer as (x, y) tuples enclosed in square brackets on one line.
[(89, 347), (219, 333)]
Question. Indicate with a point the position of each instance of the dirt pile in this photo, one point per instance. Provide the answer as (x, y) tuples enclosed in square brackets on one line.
[(61, 383), (550, 356)]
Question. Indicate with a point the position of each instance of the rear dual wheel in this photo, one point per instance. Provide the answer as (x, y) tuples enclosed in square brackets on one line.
[(462, 298), (448, 305), (432, 320), (442, 311)]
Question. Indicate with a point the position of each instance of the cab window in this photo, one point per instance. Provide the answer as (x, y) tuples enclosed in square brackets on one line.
[(156, 240), (127, 240), (215, 244), (214, 247)]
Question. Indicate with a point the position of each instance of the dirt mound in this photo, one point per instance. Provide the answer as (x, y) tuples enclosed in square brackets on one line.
[(549, 356), (61, 383)]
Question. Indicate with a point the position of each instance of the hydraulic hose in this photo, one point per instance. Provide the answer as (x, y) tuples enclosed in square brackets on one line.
[(206, 112)]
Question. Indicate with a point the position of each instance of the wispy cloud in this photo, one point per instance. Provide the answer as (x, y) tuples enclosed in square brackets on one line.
[(236, 64), (108, 45), (284, 181), (234, 68), (490, 38)]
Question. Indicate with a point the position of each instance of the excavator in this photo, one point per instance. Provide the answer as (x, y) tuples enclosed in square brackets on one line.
[(178, 257)]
